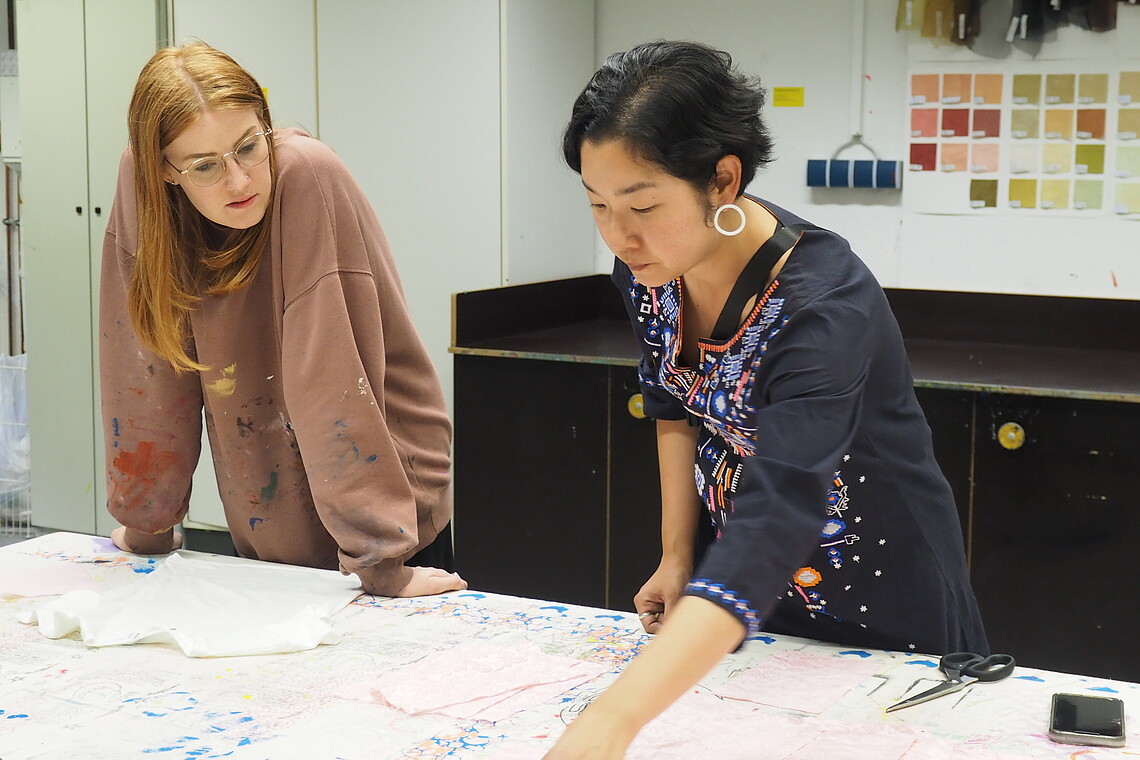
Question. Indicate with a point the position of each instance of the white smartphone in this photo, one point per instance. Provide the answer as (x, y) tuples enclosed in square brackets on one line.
[(1085, 719)]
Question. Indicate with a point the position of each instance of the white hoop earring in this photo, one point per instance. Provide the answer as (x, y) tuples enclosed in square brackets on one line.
[(722, 230)]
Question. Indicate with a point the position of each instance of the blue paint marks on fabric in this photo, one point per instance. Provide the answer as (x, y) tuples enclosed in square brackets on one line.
[(555, 607), (371, 458), (762, 637), (253, 521), (923, 663), (1109, 689), (143, 569), (245, 742), (857, 653), (15, 715), (1038, 679), (611, 617), (475, 595)]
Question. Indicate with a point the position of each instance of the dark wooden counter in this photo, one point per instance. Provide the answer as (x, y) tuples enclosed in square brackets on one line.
[(1025, 345)]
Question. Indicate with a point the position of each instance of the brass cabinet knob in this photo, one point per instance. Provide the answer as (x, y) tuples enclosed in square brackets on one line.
[(636, 406), (1011, 436)]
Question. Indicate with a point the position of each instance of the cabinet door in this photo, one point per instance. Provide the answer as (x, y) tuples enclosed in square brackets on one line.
[(78, 63), (530, 477), (1055, 531), (58, 287), (634, 506), (950, 416)]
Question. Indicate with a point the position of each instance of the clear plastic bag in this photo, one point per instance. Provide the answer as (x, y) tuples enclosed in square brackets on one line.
[(15, 469)]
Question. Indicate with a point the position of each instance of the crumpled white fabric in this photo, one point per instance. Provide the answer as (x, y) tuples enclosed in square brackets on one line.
[(207, 605)]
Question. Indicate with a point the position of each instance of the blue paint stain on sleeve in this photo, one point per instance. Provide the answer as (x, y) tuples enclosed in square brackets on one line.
[(1038, 679), (923, 663), (555, 607), (1109, 689), (856, 653)]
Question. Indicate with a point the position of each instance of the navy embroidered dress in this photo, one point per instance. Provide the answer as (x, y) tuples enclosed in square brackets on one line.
[(833, 520)]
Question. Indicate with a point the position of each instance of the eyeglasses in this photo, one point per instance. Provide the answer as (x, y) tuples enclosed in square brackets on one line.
[(207, 170)]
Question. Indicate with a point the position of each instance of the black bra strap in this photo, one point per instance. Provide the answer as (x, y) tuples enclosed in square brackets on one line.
[(754, 277)]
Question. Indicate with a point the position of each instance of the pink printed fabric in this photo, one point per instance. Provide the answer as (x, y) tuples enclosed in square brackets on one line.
[(480, 680), (800, 681)]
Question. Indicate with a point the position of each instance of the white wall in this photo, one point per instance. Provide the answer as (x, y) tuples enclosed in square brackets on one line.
[(809, 44)]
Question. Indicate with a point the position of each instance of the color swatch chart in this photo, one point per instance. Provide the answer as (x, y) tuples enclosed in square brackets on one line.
[(1040, 142)]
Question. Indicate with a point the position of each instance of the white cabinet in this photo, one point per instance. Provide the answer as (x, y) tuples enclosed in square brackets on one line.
[(449, 113), (78, 63)]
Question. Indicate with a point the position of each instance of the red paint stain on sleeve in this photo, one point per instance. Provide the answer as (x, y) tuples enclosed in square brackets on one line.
[(145, 464)]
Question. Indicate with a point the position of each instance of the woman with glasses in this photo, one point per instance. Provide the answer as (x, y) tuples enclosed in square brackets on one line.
[(245, 275), (786, 415)]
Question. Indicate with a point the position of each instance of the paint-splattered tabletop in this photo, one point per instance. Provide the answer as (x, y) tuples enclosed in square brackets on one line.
[(392, 689)]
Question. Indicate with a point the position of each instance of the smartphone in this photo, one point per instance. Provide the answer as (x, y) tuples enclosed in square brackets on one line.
[(1085, 719)]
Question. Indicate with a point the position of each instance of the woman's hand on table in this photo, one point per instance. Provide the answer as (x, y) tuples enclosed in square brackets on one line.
[(427, 581), (138, 542), (661, 592)]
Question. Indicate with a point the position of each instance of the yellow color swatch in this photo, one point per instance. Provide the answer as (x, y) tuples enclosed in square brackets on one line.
[(1057, 158), (1024, 123), (1060, 88), (1089, 159), (1128, 198), (1088, 194), (1093, 88), (1128, 161), (1130, 87), (1027, 89), (788, 97), (1023, 193), (1054, 193), (1128, 124)]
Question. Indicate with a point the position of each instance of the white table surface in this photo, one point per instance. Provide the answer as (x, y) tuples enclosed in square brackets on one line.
[(61, 699)]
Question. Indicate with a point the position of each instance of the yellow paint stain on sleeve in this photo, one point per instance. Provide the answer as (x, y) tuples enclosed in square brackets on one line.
[(226, 384)]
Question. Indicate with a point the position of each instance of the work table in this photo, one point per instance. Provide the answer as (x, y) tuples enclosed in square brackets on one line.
[(778, 697)]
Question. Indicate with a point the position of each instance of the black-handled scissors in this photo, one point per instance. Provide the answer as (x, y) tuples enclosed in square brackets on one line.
[(962, 669)]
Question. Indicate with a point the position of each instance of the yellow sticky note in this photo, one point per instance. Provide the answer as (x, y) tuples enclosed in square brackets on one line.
[(788, 96)]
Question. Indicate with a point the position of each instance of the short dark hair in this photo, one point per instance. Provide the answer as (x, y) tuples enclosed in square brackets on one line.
[(679, 105)]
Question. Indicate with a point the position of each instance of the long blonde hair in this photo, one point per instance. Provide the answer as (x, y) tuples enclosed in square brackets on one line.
[(175, 265)]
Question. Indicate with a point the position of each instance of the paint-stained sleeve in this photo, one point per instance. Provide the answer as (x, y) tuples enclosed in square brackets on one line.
[(152, 417), (363, 396)]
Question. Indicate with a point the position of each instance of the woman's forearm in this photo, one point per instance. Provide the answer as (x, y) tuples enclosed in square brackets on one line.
[(695, 638), (680, 503)]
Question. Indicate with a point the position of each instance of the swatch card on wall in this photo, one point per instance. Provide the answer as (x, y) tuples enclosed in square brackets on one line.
[(1046, 138)]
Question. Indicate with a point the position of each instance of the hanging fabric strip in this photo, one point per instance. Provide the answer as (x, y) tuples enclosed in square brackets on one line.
[(938, 19), (910, 15)]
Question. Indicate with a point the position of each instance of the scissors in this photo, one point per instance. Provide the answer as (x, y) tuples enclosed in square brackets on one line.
[(962, 669)]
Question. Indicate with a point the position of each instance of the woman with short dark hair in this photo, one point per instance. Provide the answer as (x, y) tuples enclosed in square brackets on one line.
[(778, 378)]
